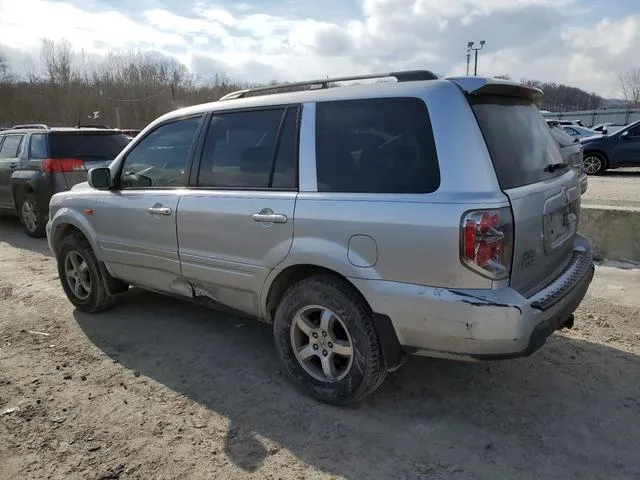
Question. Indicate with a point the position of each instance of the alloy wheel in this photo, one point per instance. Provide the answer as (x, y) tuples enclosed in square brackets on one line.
[(77, 274), (592, 164), (29, 216), (321, 343)]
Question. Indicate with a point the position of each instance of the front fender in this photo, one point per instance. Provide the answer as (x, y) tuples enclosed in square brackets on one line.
[(67, 216)]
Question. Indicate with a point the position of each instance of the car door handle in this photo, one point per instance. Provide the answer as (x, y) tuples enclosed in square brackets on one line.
[(266, 215), (159, 211)]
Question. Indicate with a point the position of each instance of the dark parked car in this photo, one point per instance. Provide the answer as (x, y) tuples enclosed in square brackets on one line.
[(571, 149), (618, 149), (37, 161), (129, 132)]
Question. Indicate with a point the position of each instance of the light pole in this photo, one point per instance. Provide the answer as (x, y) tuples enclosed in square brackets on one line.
[(476, 50)]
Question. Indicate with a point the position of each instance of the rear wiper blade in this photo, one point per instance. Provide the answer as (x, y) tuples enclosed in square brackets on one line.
[(555, 166)]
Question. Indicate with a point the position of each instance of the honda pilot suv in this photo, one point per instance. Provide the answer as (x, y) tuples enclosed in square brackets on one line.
[(37, 161), (367, 222)]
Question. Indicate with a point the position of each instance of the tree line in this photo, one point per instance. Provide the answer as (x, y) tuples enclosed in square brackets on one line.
[(130, 89), (563, 98), (125, 89)]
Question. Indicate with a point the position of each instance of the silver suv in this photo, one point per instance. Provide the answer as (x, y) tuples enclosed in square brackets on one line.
[(366, 222)]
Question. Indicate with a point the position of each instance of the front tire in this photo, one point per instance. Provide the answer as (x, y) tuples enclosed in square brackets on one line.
[(80, 275), (326, 339), (33, 220), (594, 163)]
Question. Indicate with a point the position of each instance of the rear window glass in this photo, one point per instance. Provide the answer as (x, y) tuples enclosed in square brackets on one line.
[(381, 145), (99, 146), (518, 139)]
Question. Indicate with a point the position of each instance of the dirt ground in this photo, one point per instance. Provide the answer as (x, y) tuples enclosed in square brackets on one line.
[(159, 388)]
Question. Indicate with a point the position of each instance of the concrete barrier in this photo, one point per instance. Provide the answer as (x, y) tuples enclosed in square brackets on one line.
[(614, 231)]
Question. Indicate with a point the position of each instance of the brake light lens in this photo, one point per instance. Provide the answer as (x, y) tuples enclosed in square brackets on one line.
[(487, 242), (62, 165)]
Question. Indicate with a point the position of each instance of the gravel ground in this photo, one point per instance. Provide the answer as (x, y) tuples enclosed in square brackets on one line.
[(159, 388), (616, 187)]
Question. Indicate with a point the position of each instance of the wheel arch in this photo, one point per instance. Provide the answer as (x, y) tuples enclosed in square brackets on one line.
[(289, 276), (18, 190), (68, 222), (70, 225)]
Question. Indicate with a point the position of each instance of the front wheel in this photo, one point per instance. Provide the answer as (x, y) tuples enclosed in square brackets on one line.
[(80, 275), (326, 339), (33, 220), (594, 163)]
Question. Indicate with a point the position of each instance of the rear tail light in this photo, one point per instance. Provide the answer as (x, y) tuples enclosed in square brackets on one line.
[(487, 242), (62, 165)]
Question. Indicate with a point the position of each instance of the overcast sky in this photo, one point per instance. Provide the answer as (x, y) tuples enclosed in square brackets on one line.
[(585, 43)]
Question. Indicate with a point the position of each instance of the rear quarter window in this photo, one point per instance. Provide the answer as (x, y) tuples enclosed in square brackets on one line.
[(518, 139), (381, 145), (103, 146)]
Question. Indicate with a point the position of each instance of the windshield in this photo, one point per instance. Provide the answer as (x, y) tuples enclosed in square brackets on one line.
[(102, 145), (518, 139)]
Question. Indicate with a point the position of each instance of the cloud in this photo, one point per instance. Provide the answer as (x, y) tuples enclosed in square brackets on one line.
[(84, 29), (568, 41)]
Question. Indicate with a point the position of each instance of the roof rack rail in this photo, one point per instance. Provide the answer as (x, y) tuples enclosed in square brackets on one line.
[(30, 126), (100, 126), (403, 76)]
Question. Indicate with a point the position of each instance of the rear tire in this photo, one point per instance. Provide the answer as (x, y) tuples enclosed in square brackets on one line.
[(326, 339), (594, 163), (80, 275), (33, 220)]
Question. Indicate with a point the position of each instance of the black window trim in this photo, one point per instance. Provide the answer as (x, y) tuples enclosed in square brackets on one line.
[(193, 178), (189, 162)]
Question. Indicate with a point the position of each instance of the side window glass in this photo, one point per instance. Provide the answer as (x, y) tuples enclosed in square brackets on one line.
[(38, 146), (380, 145), (635, 131), (160, 159), (11, 146), (239, 149)]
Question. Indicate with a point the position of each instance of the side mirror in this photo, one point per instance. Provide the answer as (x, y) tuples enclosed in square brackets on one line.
[(99, 178), (624, 135)]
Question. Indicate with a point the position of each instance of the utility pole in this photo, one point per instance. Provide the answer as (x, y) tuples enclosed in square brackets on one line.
[(476, 50), (468, 56)]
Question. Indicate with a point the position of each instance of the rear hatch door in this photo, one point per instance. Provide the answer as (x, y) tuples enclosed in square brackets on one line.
[(94, 148), (544, 191)]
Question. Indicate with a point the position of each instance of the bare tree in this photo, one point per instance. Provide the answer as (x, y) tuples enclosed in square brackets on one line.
[(57, 59), (4, 68), (630, 86), (128, 88)]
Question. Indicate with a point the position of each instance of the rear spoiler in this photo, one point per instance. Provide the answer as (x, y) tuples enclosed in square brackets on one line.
[(494, 86)]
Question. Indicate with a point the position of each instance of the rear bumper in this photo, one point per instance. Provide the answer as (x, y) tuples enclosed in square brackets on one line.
[(584, 183), (481, 324)]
